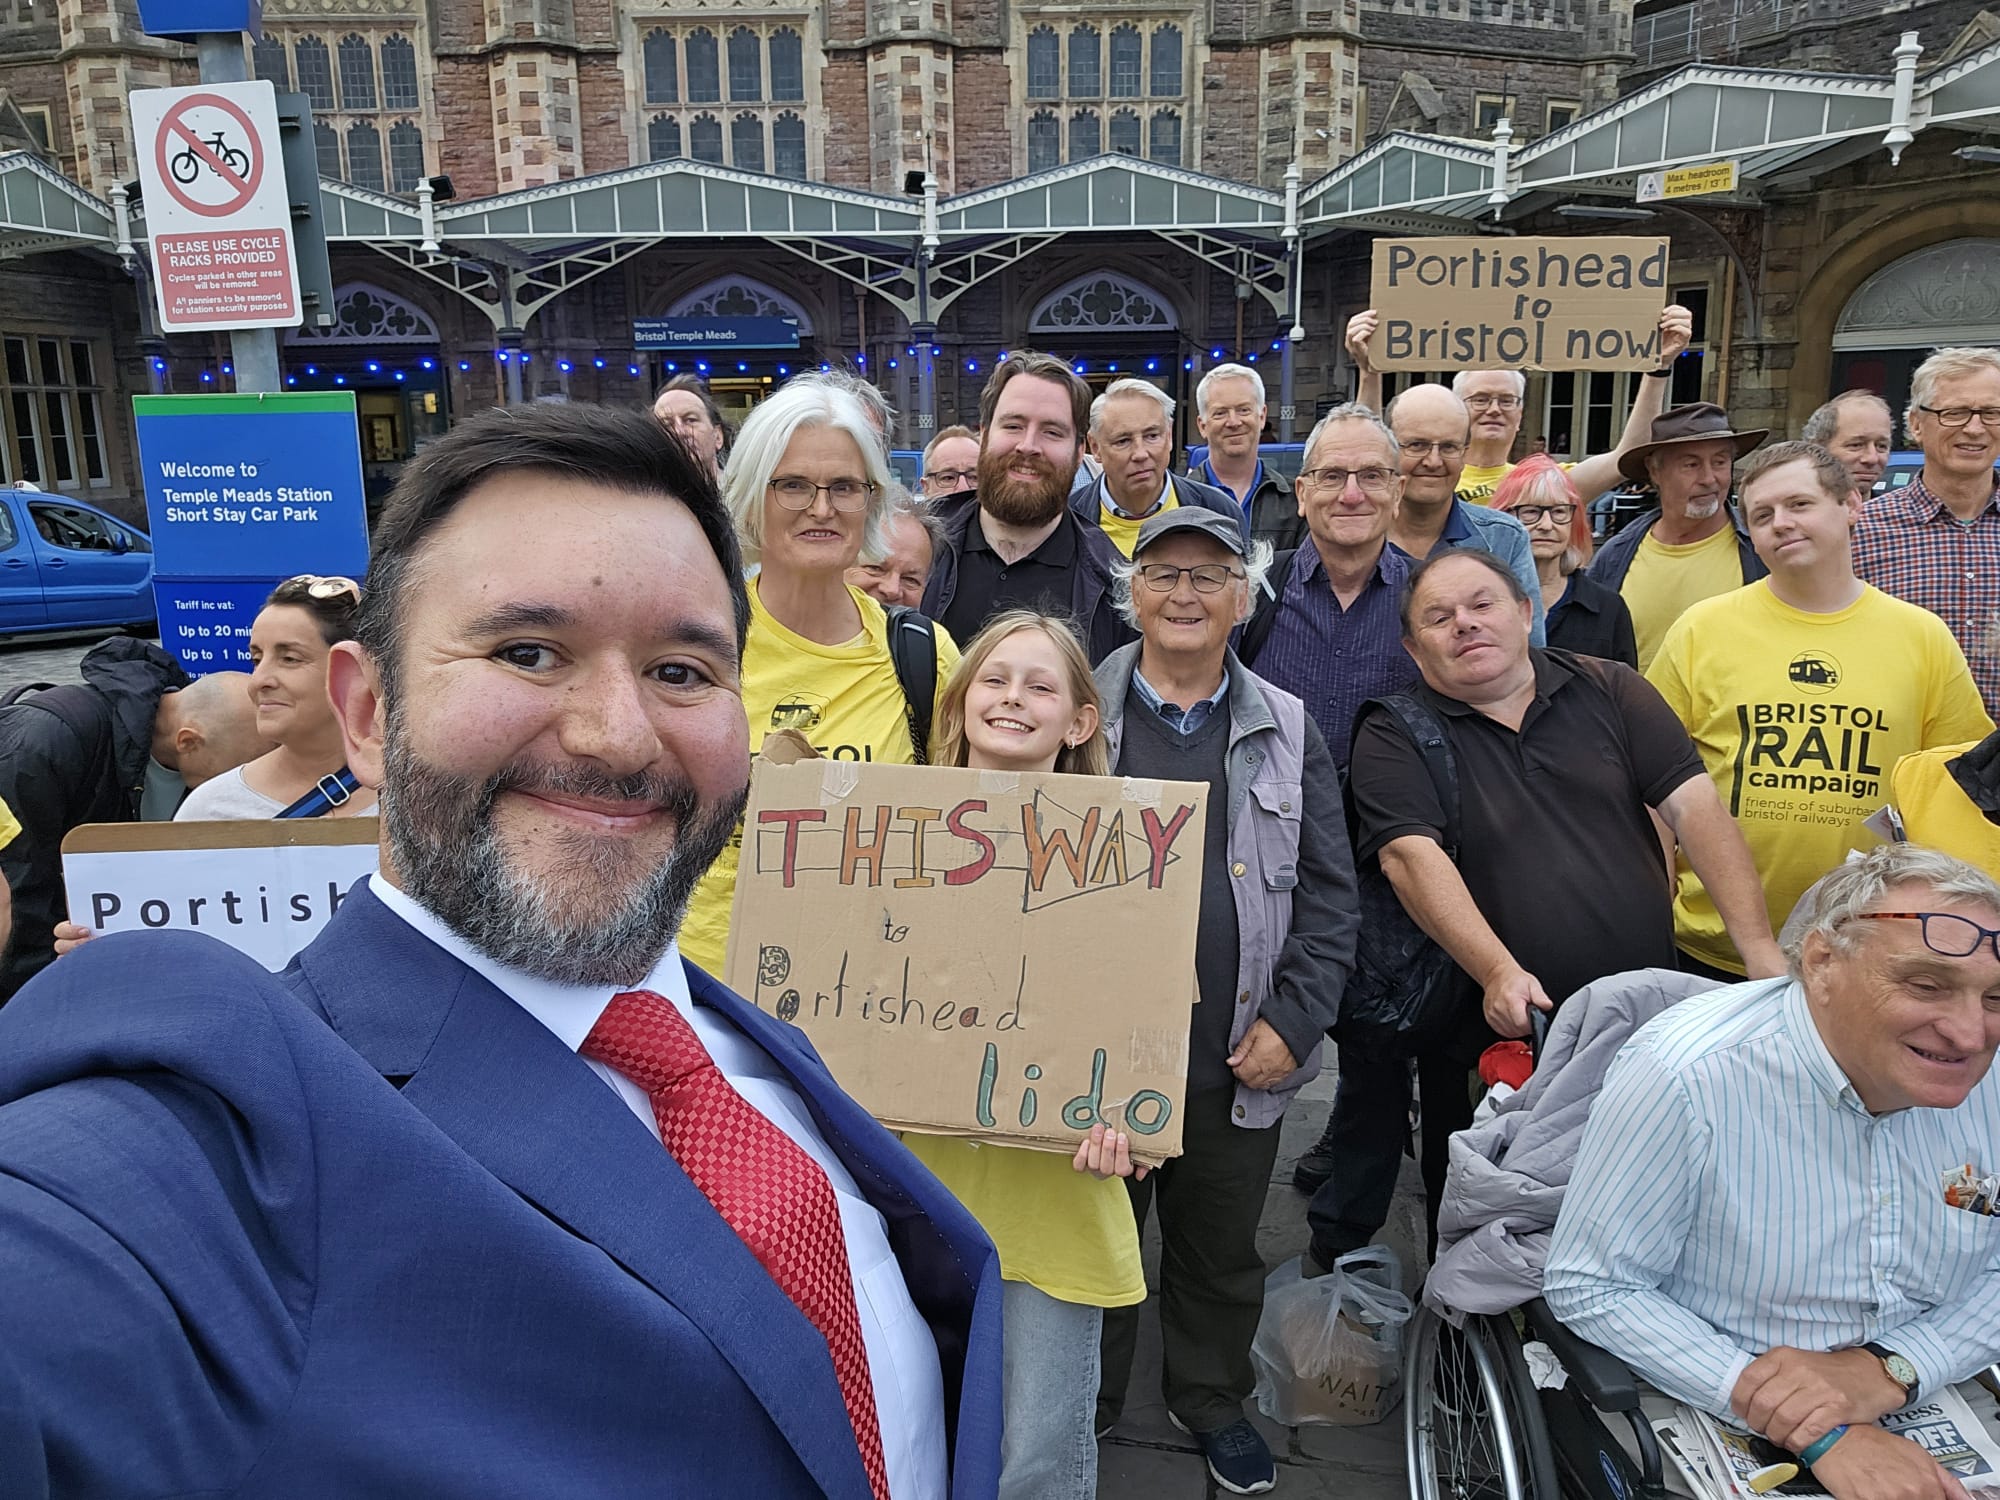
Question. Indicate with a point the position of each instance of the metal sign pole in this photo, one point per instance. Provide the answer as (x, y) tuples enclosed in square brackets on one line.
[(253, 351)]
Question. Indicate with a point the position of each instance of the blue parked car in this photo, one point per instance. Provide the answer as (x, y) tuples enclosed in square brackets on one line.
[(65, 565)]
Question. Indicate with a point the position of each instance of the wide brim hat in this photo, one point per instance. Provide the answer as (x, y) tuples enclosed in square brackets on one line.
[(1697, 422)]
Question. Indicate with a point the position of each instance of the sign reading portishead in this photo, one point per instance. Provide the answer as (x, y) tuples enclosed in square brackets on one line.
[(217, 212), (715, 333), (1524, 304)]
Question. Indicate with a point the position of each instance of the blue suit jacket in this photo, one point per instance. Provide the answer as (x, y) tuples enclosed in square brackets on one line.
[(367, 1228)]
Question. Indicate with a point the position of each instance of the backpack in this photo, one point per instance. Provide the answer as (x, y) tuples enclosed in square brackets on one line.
[(1405, 992), (80, 710), (913, 651)]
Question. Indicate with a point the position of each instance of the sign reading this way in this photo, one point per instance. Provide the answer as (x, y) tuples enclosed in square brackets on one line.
[(1006, 957), (212, 177), (1523, 304)]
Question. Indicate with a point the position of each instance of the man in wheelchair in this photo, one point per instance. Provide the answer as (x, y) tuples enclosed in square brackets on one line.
[(1781, 1211)]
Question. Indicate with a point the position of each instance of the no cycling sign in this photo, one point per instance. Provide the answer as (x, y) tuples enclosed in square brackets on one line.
[(217, 211)]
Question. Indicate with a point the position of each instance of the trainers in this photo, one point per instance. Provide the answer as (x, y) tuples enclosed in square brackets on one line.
[(1315, 1166), (1238, 1457)]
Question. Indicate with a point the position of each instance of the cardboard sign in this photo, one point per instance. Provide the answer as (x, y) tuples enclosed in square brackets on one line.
[(1007, 957), (265, 887), (1521, 304)]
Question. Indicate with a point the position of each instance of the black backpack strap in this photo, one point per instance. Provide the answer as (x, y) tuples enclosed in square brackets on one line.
[(1428, 735), (913, 651), (1264, 611)]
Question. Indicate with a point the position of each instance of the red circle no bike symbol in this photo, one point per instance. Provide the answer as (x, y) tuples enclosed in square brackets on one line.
[(208, 156)]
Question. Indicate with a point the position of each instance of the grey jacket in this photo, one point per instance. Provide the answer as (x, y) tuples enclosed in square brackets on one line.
[(1506, 1176), (1296, 910)]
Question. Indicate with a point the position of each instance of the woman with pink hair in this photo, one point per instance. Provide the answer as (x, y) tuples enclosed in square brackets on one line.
[(1584, 616)]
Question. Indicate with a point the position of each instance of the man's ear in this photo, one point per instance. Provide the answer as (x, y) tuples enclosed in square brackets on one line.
[(355, 688), (187, 740)]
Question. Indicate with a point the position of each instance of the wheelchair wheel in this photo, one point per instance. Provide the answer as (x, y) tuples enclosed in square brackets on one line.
[(1472, 1423)]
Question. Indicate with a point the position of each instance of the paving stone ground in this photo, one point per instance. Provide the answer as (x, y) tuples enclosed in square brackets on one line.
[(1145, 1458)]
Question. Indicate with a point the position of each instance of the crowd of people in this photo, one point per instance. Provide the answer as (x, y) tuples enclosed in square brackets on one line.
[(407, 1152)]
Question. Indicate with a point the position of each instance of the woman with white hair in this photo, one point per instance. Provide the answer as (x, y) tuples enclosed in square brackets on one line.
[(809, 487)]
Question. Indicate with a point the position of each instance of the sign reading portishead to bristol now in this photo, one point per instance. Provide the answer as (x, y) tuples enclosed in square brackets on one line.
[(242, 491), (217, 211), (1525, 304), (715, 333)]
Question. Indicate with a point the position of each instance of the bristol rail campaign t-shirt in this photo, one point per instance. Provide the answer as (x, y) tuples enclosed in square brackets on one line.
[(1800, 718), (843, 698)]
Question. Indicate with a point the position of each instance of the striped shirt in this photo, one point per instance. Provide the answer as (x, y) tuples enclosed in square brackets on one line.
[(1335, 658), (1908, 543), (1732, 1194)]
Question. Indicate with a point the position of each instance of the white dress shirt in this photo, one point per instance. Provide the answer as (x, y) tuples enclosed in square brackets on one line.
[(1732, 1194), (902, 1355)]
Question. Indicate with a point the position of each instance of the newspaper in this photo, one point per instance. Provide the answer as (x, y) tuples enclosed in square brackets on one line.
[(1720, 1463)]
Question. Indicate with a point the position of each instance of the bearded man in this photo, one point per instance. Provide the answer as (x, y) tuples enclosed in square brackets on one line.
[(487, 1194), (1014, 543)]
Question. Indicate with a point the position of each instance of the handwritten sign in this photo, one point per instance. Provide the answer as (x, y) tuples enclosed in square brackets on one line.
[(1520, 304), (265, 887), (1007, 957)]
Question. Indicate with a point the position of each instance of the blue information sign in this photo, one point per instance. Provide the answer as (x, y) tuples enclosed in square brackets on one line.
[(715, 333), (241, 492), (206, 621), (188, 18)]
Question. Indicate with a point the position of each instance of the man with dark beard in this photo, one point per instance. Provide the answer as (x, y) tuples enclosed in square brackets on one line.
[(487, 1194), (1014, 544)]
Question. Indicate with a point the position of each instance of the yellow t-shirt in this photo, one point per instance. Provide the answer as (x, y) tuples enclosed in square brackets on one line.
[(1062, 1231), (1937, 813), (1666, 578), (10, 826), (843, 698), (1800, 718), (1124, 530), (1477, 482)]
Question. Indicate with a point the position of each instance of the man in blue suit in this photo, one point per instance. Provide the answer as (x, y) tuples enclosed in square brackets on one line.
[(487, 1195)]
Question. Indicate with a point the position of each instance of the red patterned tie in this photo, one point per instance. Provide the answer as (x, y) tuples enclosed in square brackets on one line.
[(767, 1189)]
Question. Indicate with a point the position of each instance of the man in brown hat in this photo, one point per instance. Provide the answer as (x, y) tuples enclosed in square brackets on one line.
[(1693, 546)]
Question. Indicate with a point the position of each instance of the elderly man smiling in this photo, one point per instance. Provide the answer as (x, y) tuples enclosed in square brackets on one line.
[(1273, 950), (1759, 1221)]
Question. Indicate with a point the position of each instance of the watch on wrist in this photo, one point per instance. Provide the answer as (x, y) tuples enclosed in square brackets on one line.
[(1898, 1369), (1665, 372)]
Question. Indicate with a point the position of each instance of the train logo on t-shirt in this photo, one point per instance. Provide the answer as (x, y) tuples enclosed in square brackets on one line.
[(800, 711), (1814, 671)]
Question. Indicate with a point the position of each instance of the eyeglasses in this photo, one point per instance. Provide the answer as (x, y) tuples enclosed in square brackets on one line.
[(1209, 578), (1960, 416), (316, 587), (1944, 933), (949, 480), (1373, 480), (1531, 515), (1424, 448), (1495, 403), (795, 492)]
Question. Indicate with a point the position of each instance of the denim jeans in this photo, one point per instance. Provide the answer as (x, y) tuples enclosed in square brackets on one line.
[(1049, 1366)]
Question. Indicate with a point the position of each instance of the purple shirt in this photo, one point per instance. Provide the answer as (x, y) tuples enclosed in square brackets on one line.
[(1333, 659)]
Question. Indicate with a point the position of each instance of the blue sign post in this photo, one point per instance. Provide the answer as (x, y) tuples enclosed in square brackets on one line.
[(243, 492)]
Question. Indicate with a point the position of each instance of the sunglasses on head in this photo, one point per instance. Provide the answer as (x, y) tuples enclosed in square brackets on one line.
[(314, 586)]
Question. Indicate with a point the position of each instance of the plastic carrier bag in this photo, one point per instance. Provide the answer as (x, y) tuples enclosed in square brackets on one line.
[(1329, 1349)]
